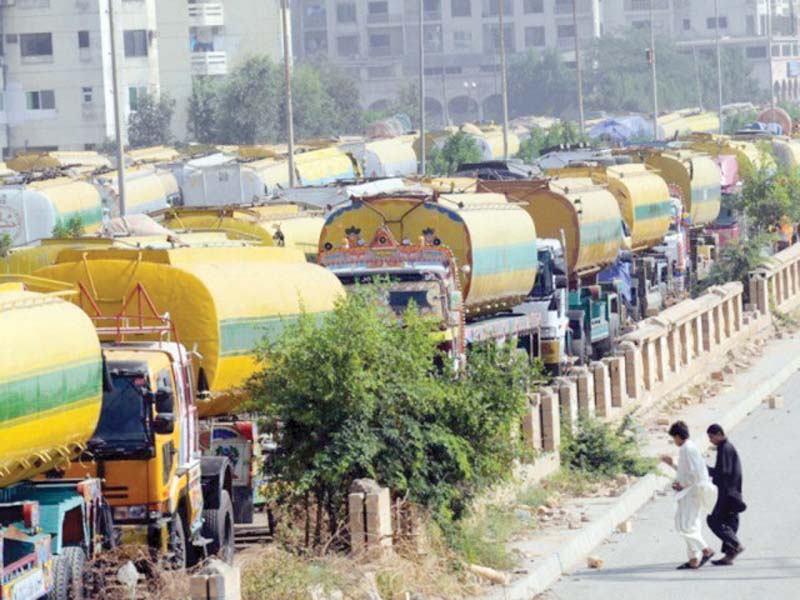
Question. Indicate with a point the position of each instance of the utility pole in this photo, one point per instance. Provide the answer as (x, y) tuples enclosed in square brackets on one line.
[(445, 109), (287, 69), (578, 72), (503, 76), (697, 78), (769, 56), (422, 157), (719, 65), (653, 72), (117, 111)]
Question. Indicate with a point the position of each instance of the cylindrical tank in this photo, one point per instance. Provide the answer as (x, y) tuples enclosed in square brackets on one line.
[(585, 215), (50, 382), (324, 166), (27, 259), (695, 178), (787, 152), (493, 241), (145, 190), (388, 158), (223, 301), (642, 196), (30, 212), (748, 155), (277, 225)]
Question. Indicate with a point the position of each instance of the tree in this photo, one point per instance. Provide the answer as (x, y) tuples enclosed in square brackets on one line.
[(71, 228), (356, 395), (341, 87), (248, 103), (531, 147), (459, 148), (150, 123), (203, 110), (5, 245), (541, 84)]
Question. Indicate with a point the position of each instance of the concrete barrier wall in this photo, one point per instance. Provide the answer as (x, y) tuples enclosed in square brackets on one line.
[(776, 283)]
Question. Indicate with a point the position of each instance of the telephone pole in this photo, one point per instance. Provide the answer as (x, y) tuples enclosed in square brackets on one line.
[(719, 64), (653, 72), (117, 111), (287, 71), (578, 73), (503, 76), (422, 156)]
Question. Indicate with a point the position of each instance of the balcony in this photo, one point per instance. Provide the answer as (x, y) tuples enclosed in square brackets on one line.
[(206, 14), (383, 17), (209, 63)]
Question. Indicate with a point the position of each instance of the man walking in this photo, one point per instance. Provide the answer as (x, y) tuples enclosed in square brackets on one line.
[(727, 476), (695, 496)]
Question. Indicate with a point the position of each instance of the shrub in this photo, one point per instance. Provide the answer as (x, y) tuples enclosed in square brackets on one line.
[(595, 447)]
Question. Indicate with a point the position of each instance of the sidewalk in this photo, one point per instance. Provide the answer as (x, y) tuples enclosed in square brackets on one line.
[(556, 550)]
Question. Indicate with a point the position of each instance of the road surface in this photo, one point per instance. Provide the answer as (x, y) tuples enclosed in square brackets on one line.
[(641, 565)]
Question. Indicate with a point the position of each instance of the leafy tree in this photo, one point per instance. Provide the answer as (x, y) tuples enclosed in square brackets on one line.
[(203, 110), (5, 245), (458, 149), (248, 101), (768, 196), (531, 147), (71, 228), (356, 396), (150, 123), (540, 84), (735, 263), (340, 87), (739, 120)]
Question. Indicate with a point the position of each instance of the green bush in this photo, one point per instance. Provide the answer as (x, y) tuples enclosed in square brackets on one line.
[(71, 228), (356, 395), (595, 447)]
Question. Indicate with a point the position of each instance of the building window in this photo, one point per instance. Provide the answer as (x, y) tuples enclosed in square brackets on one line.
[(380, 72), (347, 46), (687, 24), (723, 23), (83, 39), (756, 52), (534, 37), (491, 8), (134, 95), (135, 43), (566, 31), (36, 44), (378, 8), (40, 100), (346, 13), (380, 44), (533, 6), (462, 40), (461, 8)]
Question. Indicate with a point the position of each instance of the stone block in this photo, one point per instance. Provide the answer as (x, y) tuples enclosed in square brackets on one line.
[(617, 379), (568, 400), (602, 389), (775, 401), (551, 422), (625, 527), (584, 381), (217, 581), (532, 427)]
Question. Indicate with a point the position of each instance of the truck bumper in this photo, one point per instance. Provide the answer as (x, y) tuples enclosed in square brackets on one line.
[(153, 535)]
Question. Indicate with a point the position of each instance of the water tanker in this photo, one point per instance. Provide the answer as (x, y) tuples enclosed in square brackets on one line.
[(30, 212), (146, 190), (585, 215), (692, 177), (642, 195), (222, 300), (275, 225), (492, 241), (51, 392), (748, 156)]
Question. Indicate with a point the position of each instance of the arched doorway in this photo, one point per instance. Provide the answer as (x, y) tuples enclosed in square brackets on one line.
[(463, 109)]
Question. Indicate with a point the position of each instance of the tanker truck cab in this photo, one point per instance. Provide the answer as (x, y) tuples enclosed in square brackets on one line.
[(163, 493)]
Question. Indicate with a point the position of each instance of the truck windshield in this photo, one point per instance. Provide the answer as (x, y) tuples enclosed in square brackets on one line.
[(123, 426), (543, 285), (423, 290)]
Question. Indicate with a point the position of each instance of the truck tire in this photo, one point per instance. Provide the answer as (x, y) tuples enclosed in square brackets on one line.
[(62, 579), (176, 545), (218, 527), (77, 561)]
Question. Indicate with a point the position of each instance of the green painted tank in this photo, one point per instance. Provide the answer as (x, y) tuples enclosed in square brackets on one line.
[(223, 300), (50, 392)]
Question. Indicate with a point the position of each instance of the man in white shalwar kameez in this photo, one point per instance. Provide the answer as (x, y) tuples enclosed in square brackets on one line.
[(696, 496)]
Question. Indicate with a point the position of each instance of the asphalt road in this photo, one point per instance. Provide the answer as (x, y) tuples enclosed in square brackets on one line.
[(641, 565)]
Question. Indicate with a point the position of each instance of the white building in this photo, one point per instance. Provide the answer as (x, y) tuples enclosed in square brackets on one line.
[(58, 91)]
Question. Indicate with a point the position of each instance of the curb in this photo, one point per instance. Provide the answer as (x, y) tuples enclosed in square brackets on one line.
[(552, 567)]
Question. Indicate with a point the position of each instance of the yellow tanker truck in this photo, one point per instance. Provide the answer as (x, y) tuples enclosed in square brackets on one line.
[(50, 403), (465, 259), (222, 301)]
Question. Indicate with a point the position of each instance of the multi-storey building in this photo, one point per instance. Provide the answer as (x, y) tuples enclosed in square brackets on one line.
[(378, 42), (58, 90)]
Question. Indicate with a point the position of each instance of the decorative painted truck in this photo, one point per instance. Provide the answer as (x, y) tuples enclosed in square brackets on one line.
[(466, 259), (50, 401)]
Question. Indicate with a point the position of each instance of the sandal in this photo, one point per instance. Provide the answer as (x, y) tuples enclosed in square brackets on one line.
[(686, 565), (706, 558)]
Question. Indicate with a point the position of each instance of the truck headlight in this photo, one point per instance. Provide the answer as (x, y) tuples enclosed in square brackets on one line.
[(137, 512)]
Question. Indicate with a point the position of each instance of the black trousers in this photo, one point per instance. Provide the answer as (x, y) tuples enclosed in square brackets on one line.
[(725, 524)]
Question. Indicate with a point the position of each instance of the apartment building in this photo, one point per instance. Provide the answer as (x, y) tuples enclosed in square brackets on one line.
[(378, 42), (56, 76)]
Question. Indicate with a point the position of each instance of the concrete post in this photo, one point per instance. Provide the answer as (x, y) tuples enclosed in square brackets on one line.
[(585, 384), (616, 375), (634, 375), (370, 518), (602, 389), (568, 399), (532, 425), (551, 423), (217, 581)]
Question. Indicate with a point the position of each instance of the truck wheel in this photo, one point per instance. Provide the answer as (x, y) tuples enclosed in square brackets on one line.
[(176, 545), (62, 579), (218, 527)]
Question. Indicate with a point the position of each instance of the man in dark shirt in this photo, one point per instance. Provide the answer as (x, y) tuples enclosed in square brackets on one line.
[(727, 476)]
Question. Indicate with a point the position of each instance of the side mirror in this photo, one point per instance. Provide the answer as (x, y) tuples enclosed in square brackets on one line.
[(164, 424), (164, 401), (562, 282)]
